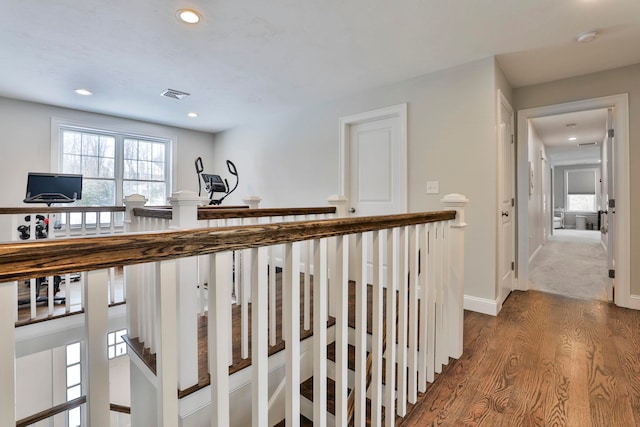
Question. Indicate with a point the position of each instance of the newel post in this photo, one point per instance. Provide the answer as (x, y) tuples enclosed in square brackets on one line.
[(184, 205), (133, 273), (340, 203), (252, 201), (7, 355), (455, 288), (132, 222)]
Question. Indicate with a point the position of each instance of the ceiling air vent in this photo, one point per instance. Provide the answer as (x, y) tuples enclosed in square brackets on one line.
[(175, 94), (587, 144)]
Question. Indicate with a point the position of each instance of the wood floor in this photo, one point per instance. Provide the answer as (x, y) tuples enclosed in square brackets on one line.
[(545, 360)]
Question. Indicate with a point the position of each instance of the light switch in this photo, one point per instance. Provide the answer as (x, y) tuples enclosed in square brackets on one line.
[(433, 187)]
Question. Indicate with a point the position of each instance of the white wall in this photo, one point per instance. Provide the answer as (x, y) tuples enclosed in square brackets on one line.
[(292, 160), (26, 141), (605, 83)]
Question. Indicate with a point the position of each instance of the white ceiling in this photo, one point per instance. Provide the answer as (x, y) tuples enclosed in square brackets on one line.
[(249, 59), (590, 126)]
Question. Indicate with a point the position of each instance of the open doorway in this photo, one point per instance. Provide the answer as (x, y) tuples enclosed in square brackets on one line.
[(568, 226), (532, 159)]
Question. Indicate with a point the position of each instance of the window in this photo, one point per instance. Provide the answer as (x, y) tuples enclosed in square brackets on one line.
[(115, 165), (115, 344), (581, 190), (74, 382)]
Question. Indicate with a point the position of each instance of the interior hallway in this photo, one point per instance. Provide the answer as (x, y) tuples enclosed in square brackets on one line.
[(572, 263), (545, 360)]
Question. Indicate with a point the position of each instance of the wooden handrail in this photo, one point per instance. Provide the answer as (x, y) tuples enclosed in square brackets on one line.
[(154, 212), (60, 209), (39, 258), (120, 408), (223, 212), (263, 212), (48, 413)]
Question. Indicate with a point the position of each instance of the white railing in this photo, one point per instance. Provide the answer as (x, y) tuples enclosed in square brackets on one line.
[(416, 258), (39, 222)]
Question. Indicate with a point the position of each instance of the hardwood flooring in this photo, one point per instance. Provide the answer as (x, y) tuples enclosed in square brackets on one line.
[(545, 360)]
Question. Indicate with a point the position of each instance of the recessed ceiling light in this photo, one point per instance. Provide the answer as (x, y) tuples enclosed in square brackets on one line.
[(587, 36), (189, 16), (192, 114), (83, 92), (573, 138)]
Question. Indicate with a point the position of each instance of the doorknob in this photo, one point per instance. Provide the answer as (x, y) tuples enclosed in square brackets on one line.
[(505, 213), (352, 210)]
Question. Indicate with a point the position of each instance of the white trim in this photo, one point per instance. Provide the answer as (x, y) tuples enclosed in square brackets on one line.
[(634, 302), (535, 254), (502, 101), (622, 247), (399, 111), (114, 125), (482, 305)]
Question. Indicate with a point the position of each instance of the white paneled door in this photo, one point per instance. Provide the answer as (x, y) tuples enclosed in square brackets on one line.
[(374, 162), (375, 186), (506, 258)]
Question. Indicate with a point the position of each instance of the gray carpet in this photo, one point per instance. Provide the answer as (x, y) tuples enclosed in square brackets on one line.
[(572, 263)]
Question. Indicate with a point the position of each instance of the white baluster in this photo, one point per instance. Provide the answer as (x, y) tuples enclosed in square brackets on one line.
[(412, 354), (112, 285), (341, 288), (131, 278), (67, 293), (376, 329), (218, 333), (50, 294), (360, 386), (319, 332), (291, 318), (392, 286), (33, 298), (429, 261), (307, 285), (83, 224), (272, 297), (259, 344), (245, 285), (166, 343), (403, 311), (440, 338)]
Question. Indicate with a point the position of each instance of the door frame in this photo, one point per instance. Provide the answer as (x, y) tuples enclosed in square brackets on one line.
[(622, 246), (502, 101), (399, 111)]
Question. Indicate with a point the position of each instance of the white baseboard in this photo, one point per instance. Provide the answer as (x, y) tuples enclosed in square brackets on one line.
[(481, 305), (534, 254), (634, 302)]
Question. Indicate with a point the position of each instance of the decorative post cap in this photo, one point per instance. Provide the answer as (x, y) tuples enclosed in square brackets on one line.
[(252, 201), (135, 198), (185, 196), (455, 198), (335, 198)]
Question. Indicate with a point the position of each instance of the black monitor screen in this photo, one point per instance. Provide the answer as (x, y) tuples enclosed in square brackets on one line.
[(53, 188)]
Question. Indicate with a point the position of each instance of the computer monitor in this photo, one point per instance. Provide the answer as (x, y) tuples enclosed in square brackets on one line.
[(53, 188)]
